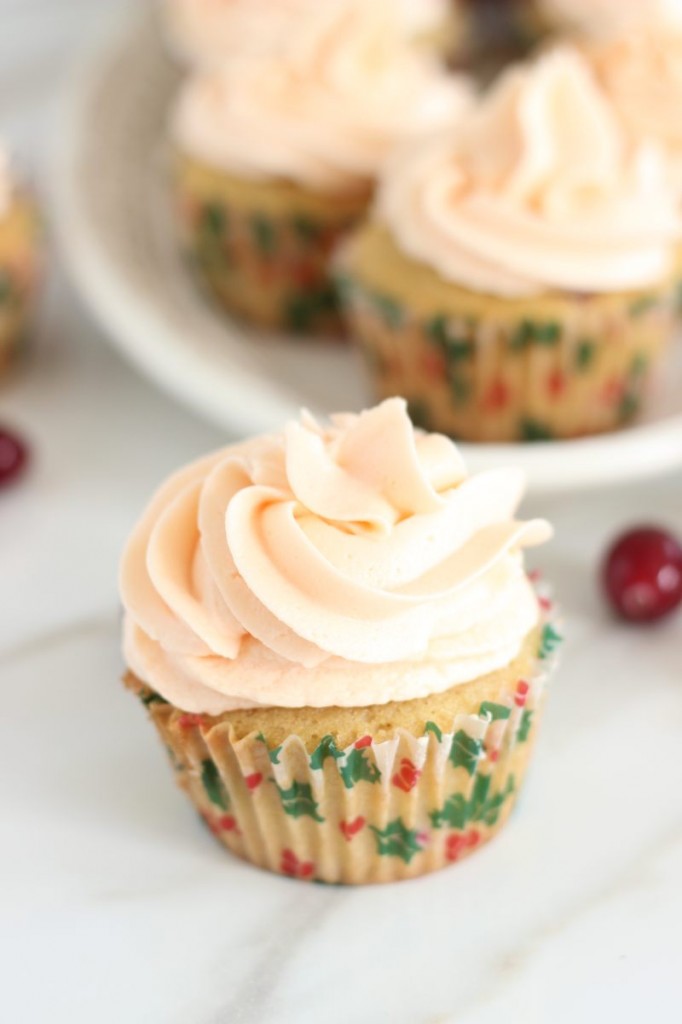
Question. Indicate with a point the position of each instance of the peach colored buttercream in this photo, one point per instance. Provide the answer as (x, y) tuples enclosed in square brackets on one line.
[(539, 188), (344, 565), (326, 114)]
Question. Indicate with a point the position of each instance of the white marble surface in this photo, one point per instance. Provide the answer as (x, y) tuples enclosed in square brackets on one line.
[(116, 905)]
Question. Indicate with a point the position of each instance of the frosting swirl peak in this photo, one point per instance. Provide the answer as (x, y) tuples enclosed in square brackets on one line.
[(538, 189), (343, 565), (325, 114)]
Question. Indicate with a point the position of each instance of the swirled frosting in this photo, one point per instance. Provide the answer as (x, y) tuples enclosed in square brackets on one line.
[(604, 18), (345, 565), (209, 32), (326, 114), (641, 72), (538, 189)]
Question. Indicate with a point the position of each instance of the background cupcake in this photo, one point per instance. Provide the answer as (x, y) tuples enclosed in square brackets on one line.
[(19, 263), (277, 157), (335, 636), (515, 279)]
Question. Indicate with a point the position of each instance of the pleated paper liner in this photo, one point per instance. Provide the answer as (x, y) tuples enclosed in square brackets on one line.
[(490, 369), (372, 812), (263, 249)]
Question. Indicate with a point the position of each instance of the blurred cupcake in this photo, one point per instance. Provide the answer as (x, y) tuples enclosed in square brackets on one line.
[(333, 631), (207, 33), (19, 264), (600, 19), (515, 280), (277, 158)]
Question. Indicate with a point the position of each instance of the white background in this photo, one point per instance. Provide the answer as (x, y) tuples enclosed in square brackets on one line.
[(115, 905)]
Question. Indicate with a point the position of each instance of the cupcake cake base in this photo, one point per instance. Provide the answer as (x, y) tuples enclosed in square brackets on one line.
[(363, 795), (19, 271)]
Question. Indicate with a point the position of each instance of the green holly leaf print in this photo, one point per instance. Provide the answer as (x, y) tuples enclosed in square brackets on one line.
[(358, 768), (495, 711), (549, 641), (150, 698), (456, 349), (215, 791), (214, 220), (639, 365), (547, 333), (487, 809), (272, 754), (455, 813), (461, 390), (390, 310), (522, 336), (396, 840), (629, 406), (435, 729), (306, 229), (533, 430), (458, 812), (584, 354), (525, 726), (325, 748), (465, 751), (264, 234), (298, 801), (642, 305)]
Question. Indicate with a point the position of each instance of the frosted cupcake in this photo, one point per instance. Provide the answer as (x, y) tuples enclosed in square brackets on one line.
[(333, 631), (515, 280), (207, 33), (277, 159), (19, 264)]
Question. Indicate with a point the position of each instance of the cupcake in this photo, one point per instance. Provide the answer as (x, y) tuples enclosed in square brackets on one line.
[(207, 33), (333, 632), (514, 280), (277, 158), (19, 264)]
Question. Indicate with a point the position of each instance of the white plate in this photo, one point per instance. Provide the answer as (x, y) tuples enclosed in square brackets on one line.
[(117, 233)]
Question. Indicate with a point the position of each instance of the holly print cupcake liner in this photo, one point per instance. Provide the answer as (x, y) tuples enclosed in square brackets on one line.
[(487, 369), (372, 811), (263, 249)]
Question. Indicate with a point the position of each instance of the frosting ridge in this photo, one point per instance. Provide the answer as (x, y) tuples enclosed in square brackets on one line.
[(326, 113), (538, 189), (343, 565)]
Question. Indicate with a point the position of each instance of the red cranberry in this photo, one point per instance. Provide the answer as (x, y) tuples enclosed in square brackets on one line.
[(642, 574), (13, 457)]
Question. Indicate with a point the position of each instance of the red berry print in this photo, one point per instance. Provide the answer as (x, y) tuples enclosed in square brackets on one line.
[(407, 776), (556, 383), (305, 275), (13, 457), (291, 865), (545, 604), (229, 824), (642, 574), (188, 721), (613, 391), (522, 689), (433, 365), (254, 780), (458, 842), (364, 741), (493, 756), (496, 397), (351, 828)]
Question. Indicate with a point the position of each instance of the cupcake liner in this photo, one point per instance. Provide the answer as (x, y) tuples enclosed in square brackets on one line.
[(372, 812), (266, 261), (19, 273), (529, 370)]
